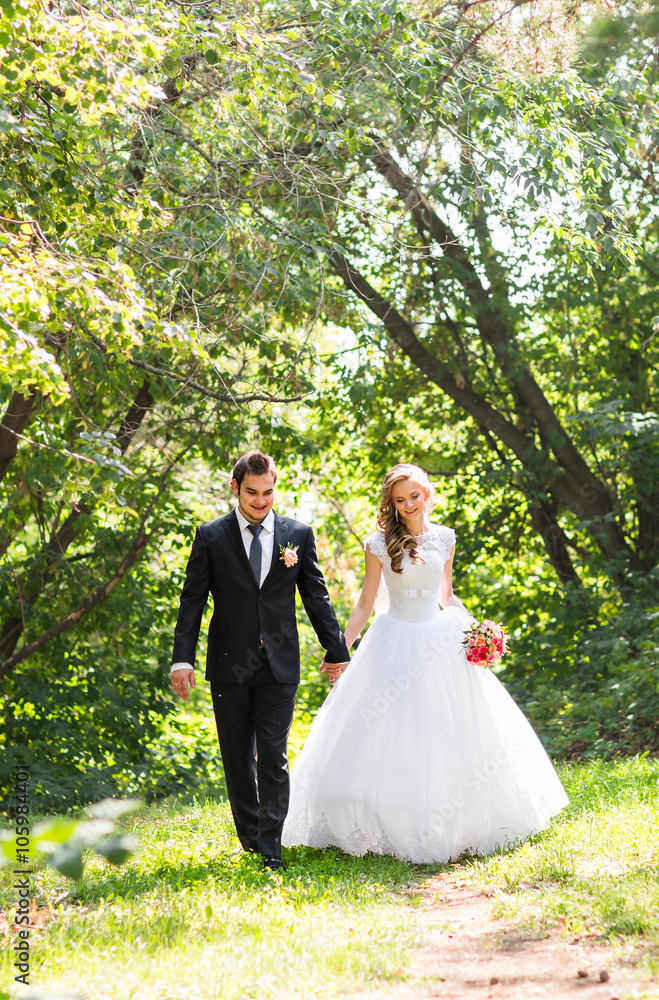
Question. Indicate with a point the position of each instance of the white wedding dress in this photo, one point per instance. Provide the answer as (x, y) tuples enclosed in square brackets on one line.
[(416, 752)]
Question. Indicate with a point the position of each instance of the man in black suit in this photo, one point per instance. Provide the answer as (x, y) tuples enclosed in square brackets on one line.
[(251, 561)]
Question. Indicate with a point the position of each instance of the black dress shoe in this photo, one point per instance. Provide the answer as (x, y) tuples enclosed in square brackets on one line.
[(273, 863)]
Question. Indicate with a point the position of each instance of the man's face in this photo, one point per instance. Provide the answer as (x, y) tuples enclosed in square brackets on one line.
[(255, 496)]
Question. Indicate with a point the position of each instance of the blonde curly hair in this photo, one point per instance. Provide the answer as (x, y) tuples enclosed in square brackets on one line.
[(398, 538)]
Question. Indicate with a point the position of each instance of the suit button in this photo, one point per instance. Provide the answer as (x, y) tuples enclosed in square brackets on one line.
[(259, 598)]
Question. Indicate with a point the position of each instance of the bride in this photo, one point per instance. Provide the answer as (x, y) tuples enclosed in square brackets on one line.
[(417, 752)]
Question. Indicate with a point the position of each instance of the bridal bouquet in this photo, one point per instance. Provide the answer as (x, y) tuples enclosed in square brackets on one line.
[(485, 643)]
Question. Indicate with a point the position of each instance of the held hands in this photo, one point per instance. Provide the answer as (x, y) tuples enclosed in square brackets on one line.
[(180, 680), (333, 670)]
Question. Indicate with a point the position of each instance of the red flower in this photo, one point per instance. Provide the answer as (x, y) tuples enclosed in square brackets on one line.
[(485, 643)]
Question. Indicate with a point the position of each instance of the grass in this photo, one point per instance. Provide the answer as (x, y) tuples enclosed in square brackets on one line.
[(192, 916), (596, 870)]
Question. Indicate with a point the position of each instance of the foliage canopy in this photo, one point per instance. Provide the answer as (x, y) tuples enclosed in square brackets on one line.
[(351, 233)]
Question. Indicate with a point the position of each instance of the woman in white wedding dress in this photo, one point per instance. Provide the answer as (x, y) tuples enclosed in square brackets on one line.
[(416, 752)]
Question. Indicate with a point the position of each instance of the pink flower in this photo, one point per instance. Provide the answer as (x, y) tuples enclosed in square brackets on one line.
[(485, 643), (288, 556)]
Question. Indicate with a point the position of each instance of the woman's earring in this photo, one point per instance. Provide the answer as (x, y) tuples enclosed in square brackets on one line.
[(397, 517)]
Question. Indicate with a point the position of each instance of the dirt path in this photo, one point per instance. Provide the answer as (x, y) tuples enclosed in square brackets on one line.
[(467, 954)]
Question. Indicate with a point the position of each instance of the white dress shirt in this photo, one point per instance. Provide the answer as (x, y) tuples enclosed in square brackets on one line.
[(267, 537)]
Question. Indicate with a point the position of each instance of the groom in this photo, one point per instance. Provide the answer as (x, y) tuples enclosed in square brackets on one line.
[(251, 561)]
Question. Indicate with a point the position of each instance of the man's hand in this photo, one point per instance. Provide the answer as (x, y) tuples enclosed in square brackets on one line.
[(180, 679), (333, 670)]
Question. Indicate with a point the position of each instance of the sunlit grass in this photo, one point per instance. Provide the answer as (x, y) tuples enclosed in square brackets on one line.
[(191, 915), (596, 870)]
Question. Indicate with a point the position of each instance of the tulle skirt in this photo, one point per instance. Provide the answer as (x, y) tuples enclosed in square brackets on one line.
[(420, 754)]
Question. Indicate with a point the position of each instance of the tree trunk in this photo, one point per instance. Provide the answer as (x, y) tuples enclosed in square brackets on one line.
[(581, 491), (17, 414), (587, 501), (62, 537), (543, 519), (19, 410)]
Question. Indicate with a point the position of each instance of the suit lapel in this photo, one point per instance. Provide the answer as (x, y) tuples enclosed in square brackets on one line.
[(279, 539), (232, 529)]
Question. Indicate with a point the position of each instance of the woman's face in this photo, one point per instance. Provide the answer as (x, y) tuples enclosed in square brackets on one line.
[(409, 498)]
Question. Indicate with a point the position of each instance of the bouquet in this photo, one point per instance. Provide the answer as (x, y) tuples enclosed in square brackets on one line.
[(485, 643)]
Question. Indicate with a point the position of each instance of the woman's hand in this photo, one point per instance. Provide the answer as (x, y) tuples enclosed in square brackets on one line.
[(333, 670)]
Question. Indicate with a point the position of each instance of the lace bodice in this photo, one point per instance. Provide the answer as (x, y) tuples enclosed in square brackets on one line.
[(413, 593)]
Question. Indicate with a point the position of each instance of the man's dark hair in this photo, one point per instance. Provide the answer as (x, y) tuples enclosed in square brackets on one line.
[(254, 463)]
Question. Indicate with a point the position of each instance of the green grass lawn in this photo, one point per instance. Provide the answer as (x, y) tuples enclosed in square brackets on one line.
[(191, 916), (596, 870)]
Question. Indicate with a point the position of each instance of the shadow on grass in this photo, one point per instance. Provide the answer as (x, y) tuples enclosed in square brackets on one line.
[(203, 851), (312, 873)]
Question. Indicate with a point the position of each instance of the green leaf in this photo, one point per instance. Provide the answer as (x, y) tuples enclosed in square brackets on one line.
[(50, 834), (172, 66), (118, 849), (68, 861), (114, 808), (89, 832)]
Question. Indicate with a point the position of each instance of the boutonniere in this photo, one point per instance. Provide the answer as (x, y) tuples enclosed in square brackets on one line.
[(288, 555)]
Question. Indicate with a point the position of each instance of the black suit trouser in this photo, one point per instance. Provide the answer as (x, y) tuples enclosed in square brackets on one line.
[(253, 721)]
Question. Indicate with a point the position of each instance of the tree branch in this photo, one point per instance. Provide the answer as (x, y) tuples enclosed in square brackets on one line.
[(63, 535), (589, 503), (100, 594), (17, 415), (589, 496), (403, 334)]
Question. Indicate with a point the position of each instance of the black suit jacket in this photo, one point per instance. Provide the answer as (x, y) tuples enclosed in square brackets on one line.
[(243, 611)]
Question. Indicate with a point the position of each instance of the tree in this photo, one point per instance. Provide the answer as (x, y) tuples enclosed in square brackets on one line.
[(494, 239), (470, 191), (135, 344), (187, 191), (119, 310)]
